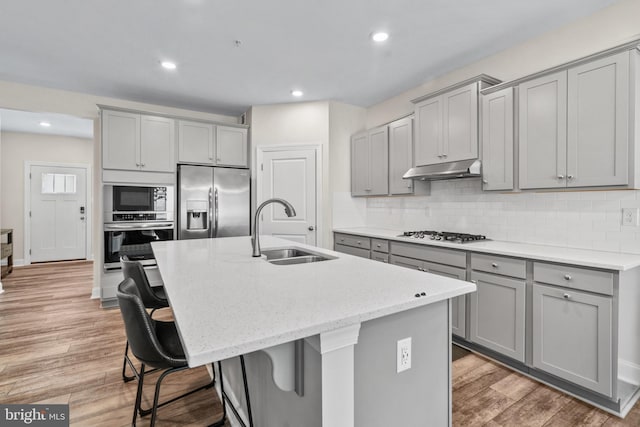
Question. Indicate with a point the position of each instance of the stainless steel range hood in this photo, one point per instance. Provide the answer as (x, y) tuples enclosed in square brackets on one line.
[(450, 170)]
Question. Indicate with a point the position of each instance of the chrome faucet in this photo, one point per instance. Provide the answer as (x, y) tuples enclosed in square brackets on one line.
[(255, 235)]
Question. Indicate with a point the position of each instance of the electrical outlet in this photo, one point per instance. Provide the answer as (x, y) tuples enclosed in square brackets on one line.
[(630, 217), (403, 355)]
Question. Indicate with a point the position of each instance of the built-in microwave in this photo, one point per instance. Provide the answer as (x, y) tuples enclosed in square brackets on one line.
[(138, 203)]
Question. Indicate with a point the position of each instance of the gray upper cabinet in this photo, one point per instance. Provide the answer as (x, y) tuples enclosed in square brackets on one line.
[(157, 144), (447, 123), (497, 140), (370, 163), (543, 131), (231, 146), (598, 122), (137, 142), (400, 155), (574, 126), (360, 164), (460, 136), (209, 144), (195, 142), (572, 336), (428, 144), (120, 140)]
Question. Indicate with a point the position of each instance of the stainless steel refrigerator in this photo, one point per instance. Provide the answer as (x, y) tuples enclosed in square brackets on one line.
[(213, 202)]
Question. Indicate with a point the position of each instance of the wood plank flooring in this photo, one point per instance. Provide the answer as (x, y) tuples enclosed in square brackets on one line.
[(59, 346)]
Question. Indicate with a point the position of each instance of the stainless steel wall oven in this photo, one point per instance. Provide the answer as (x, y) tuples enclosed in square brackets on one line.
[(134, 217)]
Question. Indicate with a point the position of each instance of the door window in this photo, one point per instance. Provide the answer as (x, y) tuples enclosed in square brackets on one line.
[(58, 183)]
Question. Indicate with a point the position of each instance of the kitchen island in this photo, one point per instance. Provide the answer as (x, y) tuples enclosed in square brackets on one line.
[(346, 314)]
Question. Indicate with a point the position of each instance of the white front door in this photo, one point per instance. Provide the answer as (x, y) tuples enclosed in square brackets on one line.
[(58, 208), (291, 175)]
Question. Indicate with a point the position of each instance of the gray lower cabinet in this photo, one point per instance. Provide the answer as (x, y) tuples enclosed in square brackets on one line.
[(379, 256), (363, 253), (572, 336), (498, 314), (458, 304)]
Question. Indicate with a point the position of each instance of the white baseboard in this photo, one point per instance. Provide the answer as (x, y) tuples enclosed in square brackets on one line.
[(16, 262), (629, 372), (95, 292)]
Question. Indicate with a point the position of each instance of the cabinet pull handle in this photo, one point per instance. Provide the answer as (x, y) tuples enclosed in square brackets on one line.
[(494, 265), (560, 176), (566, 296), (567, 277)]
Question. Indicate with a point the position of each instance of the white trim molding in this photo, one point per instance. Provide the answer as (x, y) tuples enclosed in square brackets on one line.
[(338, 380), (629, 372)]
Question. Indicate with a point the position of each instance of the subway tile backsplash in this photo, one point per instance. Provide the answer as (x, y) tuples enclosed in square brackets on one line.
[(580, 219)]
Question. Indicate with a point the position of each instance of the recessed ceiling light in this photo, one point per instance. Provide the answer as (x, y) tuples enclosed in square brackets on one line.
[(297, 93), (45, 124), (379, 36), (168, 65)]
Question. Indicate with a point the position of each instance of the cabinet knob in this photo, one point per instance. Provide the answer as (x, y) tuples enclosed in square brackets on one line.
[(217, 159), (566, 296), (475, 282), (359, 242), (569, 176), (142, 164), (379, 245), (560, 176), (444, 156), (420, 268), (137, 164), (494, 265), (311, 228), (567, 277), (484, 181)]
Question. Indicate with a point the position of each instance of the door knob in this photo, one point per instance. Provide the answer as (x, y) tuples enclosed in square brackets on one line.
[(311, 228)]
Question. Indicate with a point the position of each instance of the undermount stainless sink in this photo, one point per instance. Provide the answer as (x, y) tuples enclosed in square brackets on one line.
[(288, 256)]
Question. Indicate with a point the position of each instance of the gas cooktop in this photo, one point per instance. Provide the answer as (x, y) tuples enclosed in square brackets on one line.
[(445, 236)]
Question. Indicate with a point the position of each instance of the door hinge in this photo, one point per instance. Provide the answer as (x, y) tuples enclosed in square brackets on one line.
[(29, 214), (29, 251), (29, 175), (261, 166)]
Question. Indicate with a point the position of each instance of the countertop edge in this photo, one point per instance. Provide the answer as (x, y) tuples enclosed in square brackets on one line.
[(367, 232)]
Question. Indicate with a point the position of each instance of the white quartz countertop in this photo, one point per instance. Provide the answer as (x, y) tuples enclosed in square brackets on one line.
[(226, 303), (583, 257)]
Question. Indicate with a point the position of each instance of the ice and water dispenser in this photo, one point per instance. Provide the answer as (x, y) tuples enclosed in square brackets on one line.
[(197, 211)]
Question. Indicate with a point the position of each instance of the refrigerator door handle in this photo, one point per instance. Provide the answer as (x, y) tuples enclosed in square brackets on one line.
[(211, 231), (215, 213)]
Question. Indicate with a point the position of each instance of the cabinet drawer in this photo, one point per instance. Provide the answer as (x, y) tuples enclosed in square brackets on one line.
[(406, 262), (7, 250), (355, 241), (380, 245), (363, 253), (378, 256), (428, 253), (499, 265), (573, 277)]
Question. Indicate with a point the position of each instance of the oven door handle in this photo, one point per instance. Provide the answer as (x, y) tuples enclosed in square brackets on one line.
[(146, 226)]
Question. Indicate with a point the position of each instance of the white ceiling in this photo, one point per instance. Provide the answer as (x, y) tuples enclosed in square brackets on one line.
[(61, 124), (113, 47)]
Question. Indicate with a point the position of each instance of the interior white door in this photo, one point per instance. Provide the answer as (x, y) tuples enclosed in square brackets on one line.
[(290, 175), (58, 208)]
